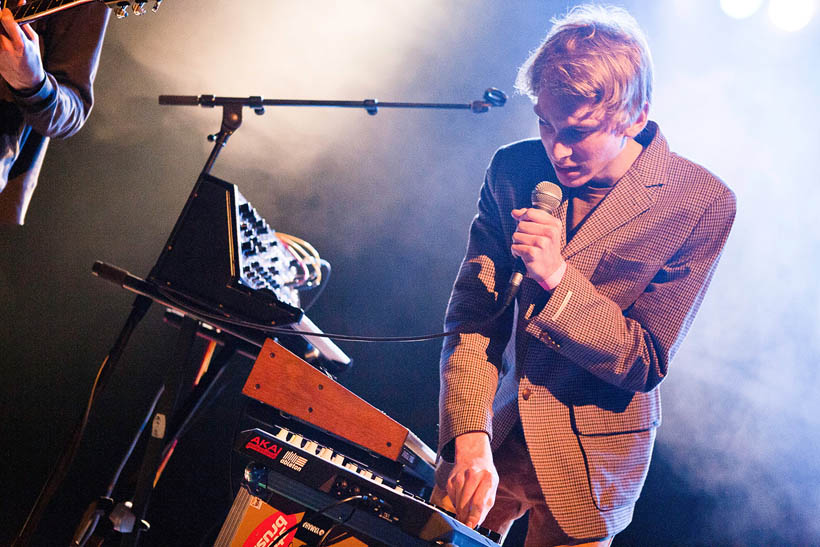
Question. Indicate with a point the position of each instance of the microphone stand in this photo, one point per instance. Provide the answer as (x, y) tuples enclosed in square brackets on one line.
[(232, 110), (492, 97), (128, 518)]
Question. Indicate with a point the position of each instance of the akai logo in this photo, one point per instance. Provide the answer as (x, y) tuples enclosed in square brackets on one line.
[(270, 529), (264, 446)]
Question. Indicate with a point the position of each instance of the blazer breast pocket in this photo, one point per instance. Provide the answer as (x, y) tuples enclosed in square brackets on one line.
[(622, 279)]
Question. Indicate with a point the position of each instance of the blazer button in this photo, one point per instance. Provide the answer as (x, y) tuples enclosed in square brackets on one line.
[(525, 393)]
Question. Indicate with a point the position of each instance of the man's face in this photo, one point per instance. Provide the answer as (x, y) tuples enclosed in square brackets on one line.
[(580, 142)]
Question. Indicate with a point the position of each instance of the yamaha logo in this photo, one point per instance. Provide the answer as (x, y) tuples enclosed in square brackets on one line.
[(313, 529)]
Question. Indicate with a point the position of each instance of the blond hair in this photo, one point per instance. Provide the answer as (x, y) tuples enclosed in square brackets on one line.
[(595, 54)]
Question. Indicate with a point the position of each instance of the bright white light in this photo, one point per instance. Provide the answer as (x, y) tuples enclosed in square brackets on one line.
[(791, 15), (740, 9)]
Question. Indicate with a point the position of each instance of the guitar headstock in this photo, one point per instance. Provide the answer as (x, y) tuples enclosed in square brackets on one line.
[(36, 9), (137, 7)]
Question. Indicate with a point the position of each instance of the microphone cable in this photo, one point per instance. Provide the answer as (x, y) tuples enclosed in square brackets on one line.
[(183, 304)]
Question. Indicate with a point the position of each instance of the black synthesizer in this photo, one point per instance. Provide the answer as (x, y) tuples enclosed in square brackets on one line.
[(316, 476), (223, 256)]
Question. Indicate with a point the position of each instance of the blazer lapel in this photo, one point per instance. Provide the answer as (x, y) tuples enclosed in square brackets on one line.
[(628, 199)]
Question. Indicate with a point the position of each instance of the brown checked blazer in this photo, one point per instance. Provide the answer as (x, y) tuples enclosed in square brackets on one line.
[(581, 366)]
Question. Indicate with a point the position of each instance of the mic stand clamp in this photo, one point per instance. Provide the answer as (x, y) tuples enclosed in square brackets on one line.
[(123, 519), (231, 120), (102, 518)]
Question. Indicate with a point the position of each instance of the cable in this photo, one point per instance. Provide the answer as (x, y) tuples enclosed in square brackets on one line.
[(466, 329), (319, 288), (116, 477), (245, 401), (88, 525), (309, 263), (327, 535), (303, 277), (306, 255), (60, 469), (321, 511)]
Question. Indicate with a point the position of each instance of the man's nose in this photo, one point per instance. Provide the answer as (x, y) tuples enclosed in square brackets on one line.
[(559, 149)]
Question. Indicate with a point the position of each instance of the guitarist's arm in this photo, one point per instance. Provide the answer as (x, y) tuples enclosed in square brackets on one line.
[(51, 70)]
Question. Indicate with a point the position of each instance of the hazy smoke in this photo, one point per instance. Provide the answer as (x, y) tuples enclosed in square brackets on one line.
[(743, 418)]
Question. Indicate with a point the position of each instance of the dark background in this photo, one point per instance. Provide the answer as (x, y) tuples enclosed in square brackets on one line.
[(387, 201)]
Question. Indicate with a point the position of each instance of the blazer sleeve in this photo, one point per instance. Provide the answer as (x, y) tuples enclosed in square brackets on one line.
[(470, 363), (631, 348), (71, 42)]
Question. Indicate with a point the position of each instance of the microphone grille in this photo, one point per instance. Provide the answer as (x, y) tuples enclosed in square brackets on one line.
[(546, 196)]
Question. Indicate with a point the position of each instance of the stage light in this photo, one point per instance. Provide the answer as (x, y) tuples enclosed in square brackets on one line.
[(740, 9), (791, 15)]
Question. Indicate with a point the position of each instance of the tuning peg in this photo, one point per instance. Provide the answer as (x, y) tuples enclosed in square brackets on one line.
[(156, 5), (122, 10), (138, 7)]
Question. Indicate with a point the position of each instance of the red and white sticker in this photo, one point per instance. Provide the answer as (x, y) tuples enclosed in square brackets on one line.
[(271, 528)]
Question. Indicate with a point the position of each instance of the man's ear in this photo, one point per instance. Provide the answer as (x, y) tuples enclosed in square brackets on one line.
[(637, 126)]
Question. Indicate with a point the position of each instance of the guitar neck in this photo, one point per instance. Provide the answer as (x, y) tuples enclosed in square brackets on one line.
[(36, 9)]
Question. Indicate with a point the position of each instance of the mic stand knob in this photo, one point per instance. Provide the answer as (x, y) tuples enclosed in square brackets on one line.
[(123, 519)]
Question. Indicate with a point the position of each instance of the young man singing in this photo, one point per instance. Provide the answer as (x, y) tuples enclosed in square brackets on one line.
[(553, 407)]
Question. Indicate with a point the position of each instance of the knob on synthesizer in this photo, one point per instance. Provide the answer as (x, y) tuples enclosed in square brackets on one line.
[(224, 257)]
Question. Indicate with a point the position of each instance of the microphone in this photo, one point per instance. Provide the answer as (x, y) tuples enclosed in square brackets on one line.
[(547, 197)]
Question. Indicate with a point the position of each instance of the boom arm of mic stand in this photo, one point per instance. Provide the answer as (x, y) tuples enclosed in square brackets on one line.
[(492, 97), (232, 110)]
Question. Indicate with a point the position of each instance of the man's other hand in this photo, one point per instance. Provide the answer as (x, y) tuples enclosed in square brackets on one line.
[(473, 480)]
